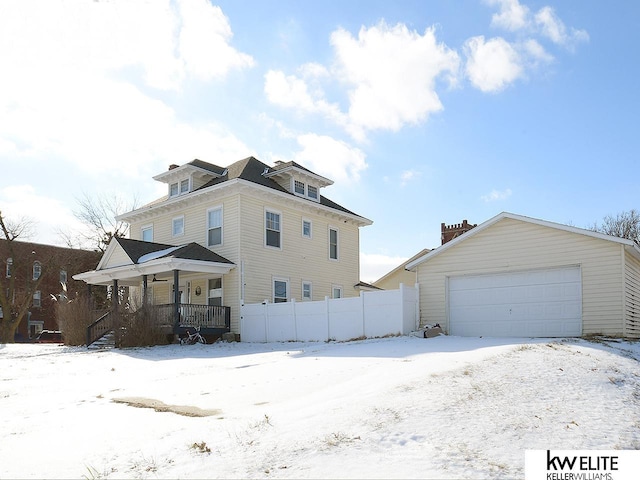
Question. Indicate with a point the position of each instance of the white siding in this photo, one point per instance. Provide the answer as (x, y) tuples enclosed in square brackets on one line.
[(512, 245), (632, 297)]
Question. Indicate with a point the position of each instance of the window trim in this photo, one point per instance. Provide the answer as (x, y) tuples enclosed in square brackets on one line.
[(310, 298), (273, 212), (221, 227), (337, 257), (306, 220), (37, 299), (146, 228), (173, 227), (315, 198), (39, 270), (273, 289)]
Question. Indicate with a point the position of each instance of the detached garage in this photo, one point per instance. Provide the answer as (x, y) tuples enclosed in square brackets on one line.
[(516, 276)]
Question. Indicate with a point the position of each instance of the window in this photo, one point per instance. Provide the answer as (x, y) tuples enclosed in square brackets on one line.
[(63, 276), (272, 223), (37, 298), (298, 187), (178, 226), (214, 227), (312, 192), (333, 244), (280, 290), (336, 291), (147, 233), (173, 190), (306, 228), (9, 267), (307, 293), (184, 186), (37, 270)]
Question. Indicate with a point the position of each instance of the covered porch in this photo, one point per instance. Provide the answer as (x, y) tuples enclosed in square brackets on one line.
[(137, 264)]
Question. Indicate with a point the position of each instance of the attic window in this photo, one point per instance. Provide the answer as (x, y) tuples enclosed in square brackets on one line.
[(312, 192), (173, 190), (179, 188), (299, 187), (184, 186)]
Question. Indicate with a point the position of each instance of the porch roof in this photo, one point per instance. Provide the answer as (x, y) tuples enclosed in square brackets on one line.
[(128, 260)]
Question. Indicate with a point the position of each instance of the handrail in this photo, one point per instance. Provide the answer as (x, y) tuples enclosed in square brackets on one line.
[(99, 328)]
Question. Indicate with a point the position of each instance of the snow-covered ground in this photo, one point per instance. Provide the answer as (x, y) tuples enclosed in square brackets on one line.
[(400, 407)]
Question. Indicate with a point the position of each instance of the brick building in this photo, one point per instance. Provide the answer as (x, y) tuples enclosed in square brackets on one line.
[(449, 232), (33, 275)]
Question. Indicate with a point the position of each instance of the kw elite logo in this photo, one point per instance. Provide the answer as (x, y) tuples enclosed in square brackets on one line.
[(583, 467), (582, 464)]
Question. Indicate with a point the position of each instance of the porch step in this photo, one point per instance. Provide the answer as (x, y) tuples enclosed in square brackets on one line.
[(105, 342)]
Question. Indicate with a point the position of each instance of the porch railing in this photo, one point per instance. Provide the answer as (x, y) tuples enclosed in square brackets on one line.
[(191, 315)]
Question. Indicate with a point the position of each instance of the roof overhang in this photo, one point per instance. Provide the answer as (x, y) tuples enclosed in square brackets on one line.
[(132, 275), (301, 173)]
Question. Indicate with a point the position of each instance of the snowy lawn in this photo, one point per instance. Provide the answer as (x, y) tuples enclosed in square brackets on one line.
[(403, 407)]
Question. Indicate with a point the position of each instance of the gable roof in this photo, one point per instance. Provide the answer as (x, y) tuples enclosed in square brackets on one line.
[(148, 258), (629, 245), (403, 265)]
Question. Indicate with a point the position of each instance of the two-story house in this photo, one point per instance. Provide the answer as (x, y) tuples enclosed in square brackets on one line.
[(245, 233)]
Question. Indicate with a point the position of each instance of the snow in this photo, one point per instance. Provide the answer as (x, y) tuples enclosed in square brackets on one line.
[(403, 407), (155, 255)]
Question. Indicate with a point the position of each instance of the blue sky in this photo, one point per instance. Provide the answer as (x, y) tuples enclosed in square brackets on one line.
[(421, 112)]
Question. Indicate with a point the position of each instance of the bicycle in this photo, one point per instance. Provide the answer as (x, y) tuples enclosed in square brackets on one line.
[(192, 337)]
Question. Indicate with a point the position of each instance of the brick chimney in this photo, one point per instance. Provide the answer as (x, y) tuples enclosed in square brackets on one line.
[(449, 232), (172, 166)]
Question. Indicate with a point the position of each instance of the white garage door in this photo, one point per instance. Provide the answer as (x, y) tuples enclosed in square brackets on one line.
[(534, 303)]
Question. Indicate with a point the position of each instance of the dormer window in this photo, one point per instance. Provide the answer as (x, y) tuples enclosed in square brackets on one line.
[(312, 192), (299, 187), (179, 188)]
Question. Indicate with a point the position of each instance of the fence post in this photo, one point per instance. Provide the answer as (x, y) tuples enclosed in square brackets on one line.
[(327, 317), (295, 320), (266, 321), (362, 315)]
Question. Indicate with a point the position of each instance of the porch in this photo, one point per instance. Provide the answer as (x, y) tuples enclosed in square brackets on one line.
[(210, 319)]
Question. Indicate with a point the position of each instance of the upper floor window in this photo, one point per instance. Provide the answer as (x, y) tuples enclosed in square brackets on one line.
[(306, 291), (147, 233), (63, 276), (174, 189), (336, 291), (272, 229), (306, 228), (37, 298), (214, 227), (37, 270), (9, 267), (280, 290), (298, 187), (333, 244), (312, 192), (184, 186), (178, 226)]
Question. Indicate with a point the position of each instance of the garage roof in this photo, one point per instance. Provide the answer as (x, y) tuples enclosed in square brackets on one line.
[(629, 245)]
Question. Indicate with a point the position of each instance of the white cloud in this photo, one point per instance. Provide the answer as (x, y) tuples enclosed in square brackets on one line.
[(374, 266), (512, 15), (392, 74), (408, 175), (492, 65), (67, 93), (331, 158), (497, 195), (554, 29)]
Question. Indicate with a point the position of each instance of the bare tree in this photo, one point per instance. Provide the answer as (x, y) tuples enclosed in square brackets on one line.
[(99, 215), (624, 225), (17, 285)]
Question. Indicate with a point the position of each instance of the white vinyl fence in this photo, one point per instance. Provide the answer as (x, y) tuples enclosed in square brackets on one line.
[(372, 314)]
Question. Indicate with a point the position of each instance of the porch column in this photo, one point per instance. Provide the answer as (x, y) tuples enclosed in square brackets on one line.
[(176, 299), (144, 291), (115, 297)]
